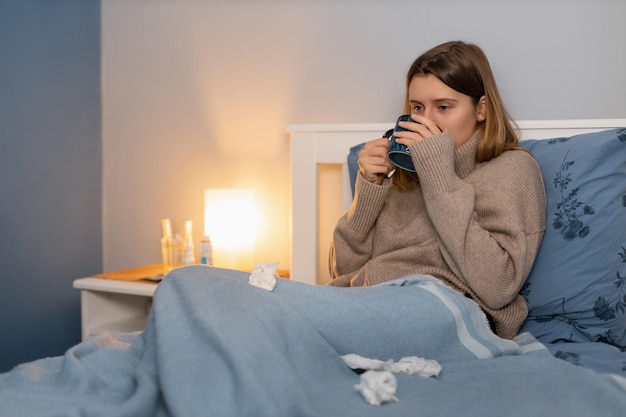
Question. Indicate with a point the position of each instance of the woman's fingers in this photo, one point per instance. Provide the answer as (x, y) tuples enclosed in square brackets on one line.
[(372, 160), (420, 128)]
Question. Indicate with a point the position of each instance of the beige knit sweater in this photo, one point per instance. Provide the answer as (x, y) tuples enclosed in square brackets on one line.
[(475, 226)]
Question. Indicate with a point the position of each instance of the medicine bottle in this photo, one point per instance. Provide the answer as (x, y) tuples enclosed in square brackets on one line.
[(206, 251)]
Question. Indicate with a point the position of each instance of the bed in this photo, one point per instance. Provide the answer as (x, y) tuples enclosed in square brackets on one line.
[(216, 345), (571, 297)]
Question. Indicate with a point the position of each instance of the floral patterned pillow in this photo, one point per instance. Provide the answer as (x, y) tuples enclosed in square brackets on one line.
[(577, 288)]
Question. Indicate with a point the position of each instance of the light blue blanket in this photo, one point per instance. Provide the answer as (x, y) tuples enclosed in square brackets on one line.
[(216, 346)]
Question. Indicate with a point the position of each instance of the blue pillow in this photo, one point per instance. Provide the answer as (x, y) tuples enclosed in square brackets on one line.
[(353, 165), (576, 290)]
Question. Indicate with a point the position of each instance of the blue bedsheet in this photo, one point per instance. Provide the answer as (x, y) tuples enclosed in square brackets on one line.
[(216, 346)]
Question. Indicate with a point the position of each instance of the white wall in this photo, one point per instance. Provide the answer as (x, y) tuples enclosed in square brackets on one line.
[(197, 94)]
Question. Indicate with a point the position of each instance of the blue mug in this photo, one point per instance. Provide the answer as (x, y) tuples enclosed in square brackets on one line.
[(397, 153)]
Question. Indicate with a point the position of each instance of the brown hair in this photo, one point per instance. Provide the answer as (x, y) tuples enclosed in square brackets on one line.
[(464, 67)]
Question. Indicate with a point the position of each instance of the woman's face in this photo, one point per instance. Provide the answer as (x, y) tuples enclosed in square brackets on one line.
[(450, 110)]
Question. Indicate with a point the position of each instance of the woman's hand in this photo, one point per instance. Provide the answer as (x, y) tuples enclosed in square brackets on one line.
[(373, 162), (418, 129)]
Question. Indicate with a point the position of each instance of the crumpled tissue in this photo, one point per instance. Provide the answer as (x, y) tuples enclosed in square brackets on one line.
[(378, 387), (378, 384), (264, 275), (412, 365)]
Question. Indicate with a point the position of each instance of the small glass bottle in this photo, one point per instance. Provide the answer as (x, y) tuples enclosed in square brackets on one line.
[(190, 256)]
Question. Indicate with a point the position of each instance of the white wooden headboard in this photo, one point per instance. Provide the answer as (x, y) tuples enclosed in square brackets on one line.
[(316, 145)]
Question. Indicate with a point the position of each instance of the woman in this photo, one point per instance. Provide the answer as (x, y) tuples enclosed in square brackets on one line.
[(473, 213)]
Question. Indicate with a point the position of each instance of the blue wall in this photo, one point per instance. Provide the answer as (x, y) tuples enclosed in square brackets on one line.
[(50, 172)]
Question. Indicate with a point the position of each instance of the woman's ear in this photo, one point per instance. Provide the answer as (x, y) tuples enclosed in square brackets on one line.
[(481, 109)]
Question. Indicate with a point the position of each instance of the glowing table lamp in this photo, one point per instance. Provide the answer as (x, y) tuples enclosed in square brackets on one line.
[(230, 221)]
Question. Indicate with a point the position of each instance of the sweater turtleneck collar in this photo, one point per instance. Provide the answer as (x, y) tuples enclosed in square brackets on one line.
[(465, 155)]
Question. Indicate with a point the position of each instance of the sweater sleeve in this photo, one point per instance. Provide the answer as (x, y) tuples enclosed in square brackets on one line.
[(489, 229), (352, 238)]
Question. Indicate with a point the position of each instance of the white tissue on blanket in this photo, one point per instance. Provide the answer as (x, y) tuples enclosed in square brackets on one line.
[(264, 275), (378, 384), (412, 365), (378, 387), (355, 361)]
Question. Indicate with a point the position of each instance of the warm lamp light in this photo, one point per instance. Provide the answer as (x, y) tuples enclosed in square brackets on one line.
[(230, 221)]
